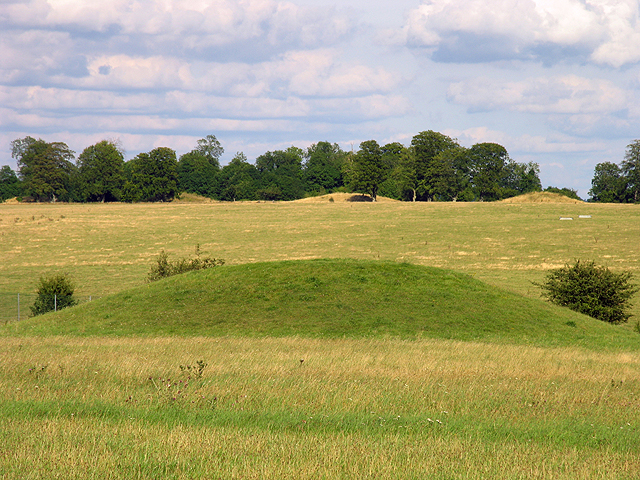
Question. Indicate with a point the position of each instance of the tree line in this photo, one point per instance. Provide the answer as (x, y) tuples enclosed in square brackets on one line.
[(434, 167)]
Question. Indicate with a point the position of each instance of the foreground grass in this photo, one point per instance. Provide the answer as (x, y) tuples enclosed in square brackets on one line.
[(330, 299), (124, 408)]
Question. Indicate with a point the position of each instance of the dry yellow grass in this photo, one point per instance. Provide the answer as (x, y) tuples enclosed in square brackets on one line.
[(352, 409)]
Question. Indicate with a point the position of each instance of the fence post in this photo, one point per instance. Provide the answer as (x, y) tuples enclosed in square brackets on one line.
[(18, 307), (55, 302)]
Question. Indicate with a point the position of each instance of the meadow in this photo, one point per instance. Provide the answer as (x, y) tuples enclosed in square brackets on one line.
[(304, 405)]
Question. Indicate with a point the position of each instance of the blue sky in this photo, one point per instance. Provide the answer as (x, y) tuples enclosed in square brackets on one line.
[(556, 82)]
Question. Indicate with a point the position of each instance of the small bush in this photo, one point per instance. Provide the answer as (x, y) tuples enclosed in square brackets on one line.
[(54, 293), (591, 290), (165, 268)]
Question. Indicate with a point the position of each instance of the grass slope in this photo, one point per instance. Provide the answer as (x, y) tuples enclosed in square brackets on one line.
[(329, 299)]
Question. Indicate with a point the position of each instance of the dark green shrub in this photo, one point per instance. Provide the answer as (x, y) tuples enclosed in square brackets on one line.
[(54, 293), (165, 268), (592, 290)]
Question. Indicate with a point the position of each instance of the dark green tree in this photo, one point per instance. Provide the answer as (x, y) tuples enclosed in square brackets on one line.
[(631, 171), (322, 169), (45, 168), (280, 175), (152, 177), (9, 183), (567, 192), (197, 174), (366, 170), (449, 176), (426, 146), (488, 170), (607, 184), (238, 180), (101, 172)]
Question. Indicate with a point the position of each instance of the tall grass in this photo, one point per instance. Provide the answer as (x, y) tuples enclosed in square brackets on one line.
[(350, 409)]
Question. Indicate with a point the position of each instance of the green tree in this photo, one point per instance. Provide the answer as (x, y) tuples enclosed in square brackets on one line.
[(449, 176), (521, 178), (631, 170), (210, 148), (238, 180), (322, 168), (567, 192), (45, 168), (197, 174), (152, 177), (367, 171), (591, 290), (101, 172), (280, 174), (54, 293), (9, 183), (488, 170), (607, 184), (426, 146)]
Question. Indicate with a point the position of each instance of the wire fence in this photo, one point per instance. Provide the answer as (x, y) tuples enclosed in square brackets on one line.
[(20, 306)]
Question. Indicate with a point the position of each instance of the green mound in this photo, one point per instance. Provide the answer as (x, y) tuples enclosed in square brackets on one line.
[(329, 299)]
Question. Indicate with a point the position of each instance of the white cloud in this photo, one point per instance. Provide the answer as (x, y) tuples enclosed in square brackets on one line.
[(603, 31), (568, 94)]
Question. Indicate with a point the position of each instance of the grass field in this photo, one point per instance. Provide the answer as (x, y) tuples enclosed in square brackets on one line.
[(559, 399)]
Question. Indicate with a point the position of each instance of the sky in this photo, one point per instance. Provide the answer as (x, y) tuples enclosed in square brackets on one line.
[(556, 82)]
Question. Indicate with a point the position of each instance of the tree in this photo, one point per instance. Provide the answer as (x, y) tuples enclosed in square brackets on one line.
[(366, 171), (521, 178), (631, 170), (101, 172), (45, 168), (591, 290), (426, 146), (567, 192), (488, 162), (210, 148), (152, 177), (9, 183), (322, 168), (197, 174), (607, 184), (238, 180), (280, 174), (54, 293)]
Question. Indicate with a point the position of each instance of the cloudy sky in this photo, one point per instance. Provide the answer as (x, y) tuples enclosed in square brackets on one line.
[(556, 82)]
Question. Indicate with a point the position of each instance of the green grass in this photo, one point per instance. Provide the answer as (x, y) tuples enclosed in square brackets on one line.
[(329, 299), (355, 408), (429, 354)]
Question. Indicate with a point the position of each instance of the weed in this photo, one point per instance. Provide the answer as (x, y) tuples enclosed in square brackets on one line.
[(196, 369)]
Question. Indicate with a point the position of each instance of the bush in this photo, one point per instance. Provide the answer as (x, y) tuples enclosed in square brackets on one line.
[(165, 268), (54, 293), (592, 290)]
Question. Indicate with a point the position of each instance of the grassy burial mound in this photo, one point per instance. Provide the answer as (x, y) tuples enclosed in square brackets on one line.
[(541, 197), (329, 299)]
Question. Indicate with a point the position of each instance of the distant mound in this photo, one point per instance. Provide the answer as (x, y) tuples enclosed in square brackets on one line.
[(192, 198), (327, 299), (541, 197), (344, 197)]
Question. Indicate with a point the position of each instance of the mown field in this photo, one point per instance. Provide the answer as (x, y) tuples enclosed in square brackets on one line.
[(137, 402)]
